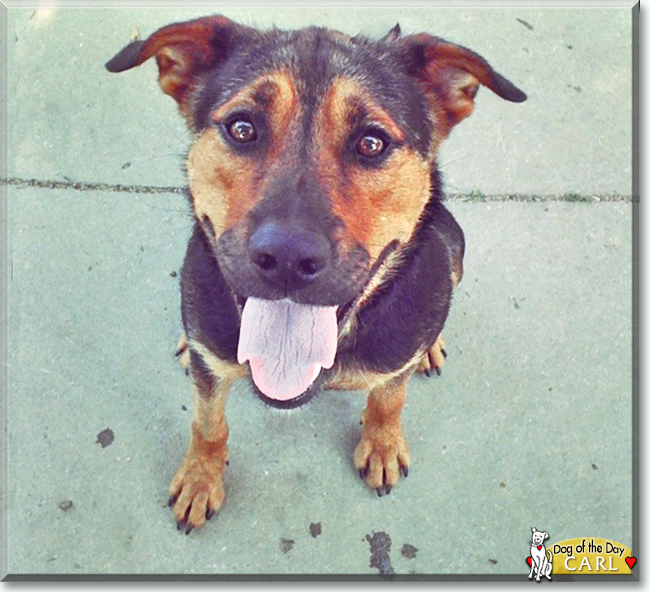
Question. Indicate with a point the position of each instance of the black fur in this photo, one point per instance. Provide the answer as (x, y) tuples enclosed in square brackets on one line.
[(407, 311), (210, 312)]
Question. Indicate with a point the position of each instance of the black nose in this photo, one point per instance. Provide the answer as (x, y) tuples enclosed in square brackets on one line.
[(288, 256)]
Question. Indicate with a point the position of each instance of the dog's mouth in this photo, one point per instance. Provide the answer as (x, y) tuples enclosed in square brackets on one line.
[(287, 345), (289, 340)]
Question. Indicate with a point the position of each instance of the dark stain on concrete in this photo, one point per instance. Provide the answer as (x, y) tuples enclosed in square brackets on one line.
[(525, 24), (105, 437), (380, 544), (409, 551), (315, 529), (286, 545), (66, 505)]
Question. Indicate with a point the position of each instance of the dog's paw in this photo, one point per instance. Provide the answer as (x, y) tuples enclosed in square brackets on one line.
[(380, 457), (196, 492), (434, 359), (183, 352)]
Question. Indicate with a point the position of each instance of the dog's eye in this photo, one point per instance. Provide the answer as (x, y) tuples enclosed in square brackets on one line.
[(242, 131), (371, 146)]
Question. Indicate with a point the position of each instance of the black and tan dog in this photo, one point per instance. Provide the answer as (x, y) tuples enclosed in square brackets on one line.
[(322, 256)]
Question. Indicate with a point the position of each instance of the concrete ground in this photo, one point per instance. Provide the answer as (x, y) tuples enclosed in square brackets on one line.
[(530, 423)]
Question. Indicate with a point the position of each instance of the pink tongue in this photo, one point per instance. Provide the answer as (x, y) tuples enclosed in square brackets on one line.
[(287, 344)]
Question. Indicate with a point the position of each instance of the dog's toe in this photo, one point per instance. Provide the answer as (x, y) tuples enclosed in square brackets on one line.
[(434, 358)]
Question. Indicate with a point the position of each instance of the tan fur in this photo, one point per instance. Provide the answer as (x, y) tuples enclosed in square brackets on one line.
[(198, 483), (382, 450), (225, 185), (373, 203), (215, 177), (218, 368)]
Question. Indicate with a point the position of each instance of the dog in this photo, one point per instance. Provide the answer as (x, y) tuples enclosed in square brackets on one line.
[(541, 565), (322, 256)]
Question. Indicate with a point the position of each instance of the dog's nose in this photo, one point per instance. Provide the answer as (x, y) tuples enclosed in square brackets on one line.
[(288, 256)]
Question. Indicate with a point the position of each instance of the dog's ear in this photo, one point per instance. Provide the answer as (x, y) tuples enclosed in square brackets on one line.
[(183, 51), (545, 535), (451, 75)]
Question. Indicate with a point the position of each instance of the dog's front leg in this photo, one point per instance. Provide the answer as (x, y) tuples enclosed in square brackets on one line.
[(543, 569), (197, 490), (382, 452)]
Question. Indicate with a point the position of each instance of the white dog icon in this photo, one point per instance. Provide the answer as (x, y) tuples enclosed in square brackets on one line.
[(540, 564)]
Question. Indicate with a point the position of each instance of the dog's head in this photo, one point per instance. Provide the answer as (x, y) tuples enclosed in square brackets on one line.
[(313, 151), (538, 536)]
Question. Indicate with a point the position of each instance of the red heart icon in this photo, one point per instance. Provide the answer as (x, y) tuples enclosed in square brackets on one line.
[(630, 561), (539, 548), (529, 561)]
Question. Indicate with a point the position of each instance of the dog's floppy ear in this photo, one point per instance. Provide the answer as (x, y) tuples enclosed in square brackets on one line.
[(451, 75), (182, 51)]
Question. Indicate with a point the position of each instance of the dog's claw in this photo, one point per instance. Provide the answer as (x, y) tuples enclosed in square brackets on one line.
[(404, 470), (171, 501), (379, 491), (183, 525), (209, 513), (388, 489), (433, 358)]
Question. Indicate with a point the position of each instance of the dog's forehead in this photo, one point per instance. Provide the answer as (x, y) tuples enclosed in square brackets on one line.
[(316, 59)]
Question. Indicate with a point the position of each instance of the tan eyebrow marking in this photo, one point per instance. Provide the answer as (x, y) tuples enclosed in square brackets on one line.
[(365, 111), (270, 91), (348, 100)]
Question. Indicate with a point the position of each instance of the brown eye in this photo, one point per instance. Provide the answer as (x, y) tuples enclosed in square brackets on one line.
[(242, 131), (371, 146)]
